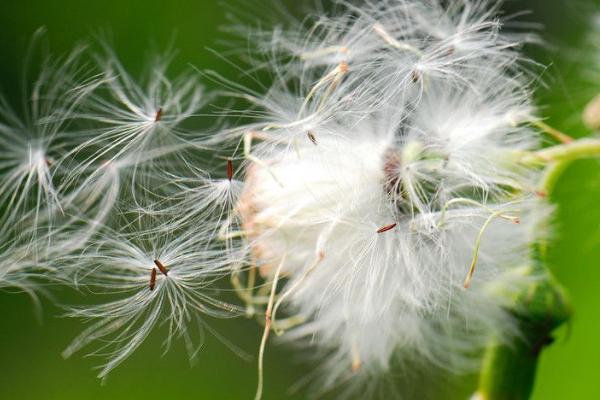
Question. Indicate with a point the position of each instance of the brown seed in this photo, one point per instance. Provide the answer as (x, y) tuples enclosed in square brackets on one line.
[(161, 267), (416, 76), (312, 137), (158, 115), (386, 228), (152, 279), (229, 170), (450, 51)]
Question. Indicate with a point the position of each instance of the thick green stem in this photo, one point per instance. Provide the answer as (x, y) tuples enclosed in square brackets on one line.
[(508, 370)]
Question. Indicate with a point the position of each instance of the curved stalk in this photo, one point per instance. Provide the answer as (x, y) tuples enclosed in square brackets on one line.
[(581, 148), (508, 370)]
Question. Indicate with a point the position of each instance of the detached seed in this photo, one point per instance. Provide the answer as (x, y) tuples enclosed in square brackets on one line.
[(386, 228), (161, 267)]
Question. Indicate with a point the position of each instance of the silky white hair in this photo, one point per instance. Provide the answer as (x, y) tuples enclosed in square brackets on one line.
[(385, 166), (369, 207)]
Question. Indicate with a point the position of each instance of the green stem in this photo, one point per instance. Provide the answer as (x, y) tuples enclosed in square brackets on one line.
[(555, 133), (558, 158), (508, 370), (552, 174), (581, 148)]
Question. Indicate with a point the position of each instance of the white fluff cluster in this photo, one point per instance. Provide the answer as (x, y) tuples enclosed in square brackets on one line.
[(379, 188), (383, 168), (102, 190)]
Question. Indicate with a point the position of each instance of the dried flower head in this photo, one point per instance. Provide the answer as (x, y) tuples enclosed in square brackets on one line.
[(383, 185), (371, 210)]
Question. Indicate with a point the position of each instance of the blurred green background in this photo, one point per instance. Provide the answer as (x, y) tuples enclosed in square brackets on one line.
[(30, 362)]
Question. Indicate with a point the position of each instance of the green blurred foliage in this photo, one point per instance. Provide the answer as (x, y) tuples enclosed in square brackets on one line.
[(30, 347)]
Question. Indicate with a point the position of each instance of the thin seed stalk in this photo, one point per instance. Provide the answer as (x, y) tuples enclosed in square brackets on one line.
[(578, 149)]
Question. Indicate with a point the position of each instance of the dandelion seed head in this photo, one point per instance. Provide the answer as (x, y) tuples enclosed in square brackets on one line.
[(373, 188), (412, 180)]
